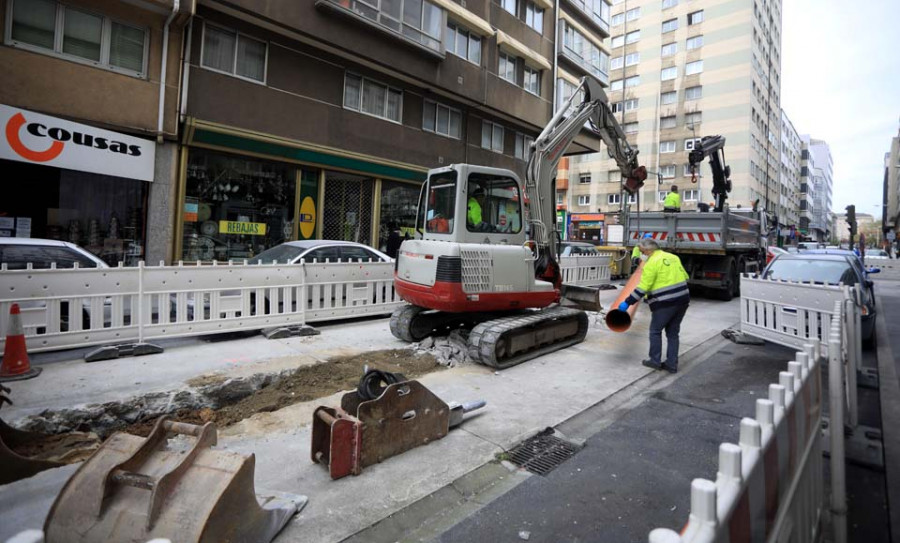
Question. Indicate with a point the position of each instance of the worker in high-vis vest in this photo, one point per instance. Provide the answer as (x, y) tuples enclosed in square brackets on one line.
[(672, 203), (473, 208), (664, 284), (636, 252)]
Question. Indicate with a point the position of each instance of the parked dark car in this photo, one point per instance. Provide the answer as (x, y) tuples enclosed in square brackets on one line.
[(820, 268)]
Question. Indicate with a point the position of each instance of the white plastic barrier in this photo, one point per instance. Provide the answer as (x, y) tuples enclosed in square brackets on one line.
[(66, 308), (585, 270), (790, 314), (769, 486)]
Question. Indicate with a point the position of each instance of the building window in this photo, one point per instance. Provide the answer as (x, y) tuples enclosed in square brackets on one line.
[(523, 146), (507, 68), (617, 107), (632, 58), (667, 74), (560, 198), (632, 14), (695, 18), (631, 105), (670, 25), (613, 199), (669, 49), (441, 119), (691, 143), (630, 128), (616, 85), (618, 41), (532, 81), (366, 96), (668, 98), (693, 93), (584, 200), (667, 146), (669, 4), (56, 29), (694, 43), (417, 20), (668, 171), (632, 81), (687, 171), (613, 176), (661, 196), (463, 43), (632, 198), (692, 118), (510, 6), (584, 179), (691, 195), (233, 53), (534, 17), (492, 136), (632, 37), (617, 19), (692, 68), (616, 63), (667, 122)]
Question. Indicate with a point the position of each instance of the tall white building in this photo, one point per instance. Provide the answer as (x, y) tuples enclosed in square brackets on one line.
[(788, 209), (680, 70)]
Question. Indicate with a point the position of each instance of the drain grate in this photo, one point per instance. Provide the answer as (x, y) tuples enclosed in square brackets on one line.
[(542, 453)]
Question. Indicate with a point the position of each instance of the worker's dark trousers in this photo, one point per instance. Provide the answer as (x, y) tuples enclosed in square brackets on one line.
[(668, 318)]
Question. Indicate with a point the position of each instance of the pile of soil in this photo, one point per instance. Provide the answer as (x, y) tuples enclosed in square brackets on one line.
[(302, 385), (64, 448)]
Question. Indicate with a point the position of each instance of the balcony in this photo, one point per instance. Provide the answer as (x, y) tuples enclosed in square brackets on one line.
[(421, 30), (595, 12)]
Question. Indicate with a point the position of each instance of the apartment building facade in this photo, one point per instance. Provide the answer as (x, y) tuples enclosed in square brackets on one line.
[(89, 106), (296, 120), (788, 207), (891, 197), (680, 70)]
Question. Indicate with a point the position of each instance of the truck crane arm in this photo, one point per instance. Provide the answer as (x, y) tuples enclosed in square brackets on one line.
[(714, 148), (552, 143)]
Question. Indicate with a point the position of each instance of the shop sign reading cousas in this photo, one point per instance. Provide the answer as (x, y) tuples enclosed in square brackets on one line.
[(41, 139)]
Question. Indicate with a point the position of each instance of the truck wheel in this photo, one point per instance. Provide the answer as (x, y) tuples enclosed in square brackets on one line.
[(726, 293)]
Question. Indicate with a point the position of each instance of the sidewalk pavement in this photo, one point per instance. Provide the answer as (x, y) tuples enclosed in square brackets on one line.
[(520, 402)]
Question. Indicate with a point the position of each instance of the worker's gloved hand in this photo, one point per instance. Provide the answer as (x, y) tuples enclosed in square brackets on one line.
[(623, 306)]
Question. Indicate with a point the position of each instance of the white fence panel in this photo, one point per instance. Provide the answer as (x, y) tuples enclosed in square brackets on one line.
[(790, 314), (69, 308), (585, 270)]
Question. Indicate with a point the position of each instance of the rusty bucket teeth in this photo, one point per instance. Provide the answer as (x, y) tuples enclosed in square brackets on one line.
[(137, 489)]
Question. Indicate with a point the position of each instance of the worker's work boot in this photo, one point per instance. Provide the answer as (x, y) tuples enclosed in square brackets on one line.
[(668, 368), (649, 363)]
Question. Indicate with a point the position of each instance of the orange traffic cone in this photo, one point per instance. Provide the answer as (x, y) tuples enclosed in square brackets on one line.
[(16, 365)]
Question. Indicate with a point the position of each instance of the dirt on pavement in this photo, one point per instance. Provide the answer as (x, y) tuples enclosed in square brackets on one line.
[(304, 384)]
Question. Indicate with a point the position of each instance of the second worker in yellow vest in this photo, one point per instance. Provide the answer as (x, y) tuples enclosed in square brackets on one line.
[(672, 201)]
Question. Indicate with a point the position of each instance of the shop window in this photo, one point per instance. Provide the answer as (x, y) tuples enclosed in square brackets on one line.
[(79, 35), (236, 207), (233, 53), (398, 214), (366, 96), (441, 203), (493, 204)]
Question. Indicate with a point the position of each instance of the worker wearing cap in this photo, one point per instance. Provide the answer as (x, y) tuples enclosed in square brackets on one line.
[(664, 283), (672, 203)]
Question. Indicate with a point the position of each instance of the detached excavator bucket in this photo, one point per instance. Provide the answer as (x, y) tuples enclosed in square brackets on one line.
[(14, 466), (136, 489), (586, 298)]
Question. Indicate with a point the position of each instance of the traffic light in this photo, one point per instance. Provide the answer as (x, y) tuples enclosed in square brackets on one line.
[(851, 219)]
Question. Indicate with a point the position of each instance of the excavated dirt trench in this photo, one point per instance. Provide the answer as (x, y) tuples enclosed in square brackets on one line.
[(225, 401)]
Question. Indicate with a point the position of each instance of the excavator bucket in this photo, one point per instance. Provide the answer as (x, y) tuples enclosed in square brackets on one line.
[(137, 489), (14, 466), (586, 298)]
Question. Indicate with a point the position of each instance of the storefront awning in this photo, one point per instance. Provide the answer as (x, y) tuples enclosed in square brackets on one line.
[(216, 136)]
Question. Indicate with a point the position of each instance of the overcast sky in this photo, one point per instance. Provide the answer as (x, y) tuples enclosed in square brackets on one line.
[(840, 82)]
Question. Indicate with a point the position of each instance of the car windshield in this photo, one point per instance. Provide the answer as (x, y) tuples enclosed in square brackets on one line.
[(280, 254), (816, 271)]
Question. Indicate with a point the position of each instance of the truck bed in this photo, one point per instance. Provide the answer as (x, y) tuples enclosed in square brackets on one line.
[(715, 232)]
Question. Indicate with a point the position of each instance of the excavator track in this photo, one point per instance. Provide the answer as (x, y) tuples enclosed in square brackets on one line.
[(413, 323), (505, 342)]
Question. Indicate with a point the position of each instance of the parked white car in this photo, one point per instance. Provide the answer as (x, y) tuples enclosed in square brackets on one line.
[(17, 253)]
